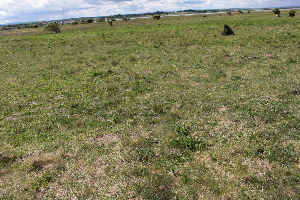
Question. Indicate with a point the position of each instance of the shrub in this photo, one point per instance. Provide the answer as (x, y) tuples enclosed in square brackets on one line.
[(228, 13), (125, 19), (110, 21), (227, 30), (89, 20), (157, 17), (100, 20), (292, 13), (276, 11), (34, 26), (53, 26)]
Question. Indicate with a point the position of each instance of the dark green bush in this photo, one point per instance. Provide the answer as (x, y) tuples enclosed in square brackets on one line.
[(276, 11), (292, 13), (100, 20), (89, 20), (227, 30), (157, 17), (53, 26)]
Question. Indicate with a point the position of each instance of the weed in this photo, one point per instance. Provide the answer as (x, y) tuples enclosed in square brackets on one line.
[(182, 129), (189, 143)]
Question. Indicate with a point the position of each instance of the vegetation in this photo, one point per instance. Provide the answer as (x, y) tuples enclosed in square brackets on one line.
[(110, 21), (292, 13), (125, 19), (100, 20), (228, 13), (157, 17), (227, 30), (147, 110), (276, 11), (52, 26), (89, 21)]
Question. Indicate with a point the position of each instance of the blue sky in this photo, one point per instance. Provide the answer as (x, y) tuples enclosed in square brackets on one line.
[(14, 11)]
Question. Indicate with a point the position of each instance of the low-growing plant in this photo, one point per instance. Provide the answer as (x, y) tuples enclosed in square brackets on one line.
[(157, 187), (189, 143), (182, 129)]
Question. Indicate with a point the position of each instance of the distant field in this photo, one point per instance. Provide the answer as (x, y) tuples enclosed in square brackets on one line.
[(152, 109)]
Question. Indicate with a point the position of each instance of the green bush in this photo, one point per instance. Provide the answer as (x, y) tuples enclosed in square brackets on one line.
[(110, 21), (100, 20), (157, 17), (53, 26), (276, 11), (228, 13), (89, 20), (227, 30), (292, 13)]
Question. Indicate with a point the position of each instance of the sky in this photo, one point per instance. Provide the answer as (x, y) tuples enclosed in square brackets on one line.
[(16, 11)]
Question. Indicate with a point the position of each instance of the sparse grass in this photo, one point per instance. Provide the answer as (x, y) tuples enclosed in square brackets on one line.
[(148, 109)]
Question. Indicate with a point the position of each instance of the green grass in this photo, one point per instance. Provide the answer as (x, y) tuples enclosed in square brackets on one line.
[(149, 109)]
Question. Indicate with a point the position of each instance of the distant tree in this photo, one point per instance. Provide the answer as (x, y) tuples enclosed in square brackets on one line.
[(100, 20), (75, 23), (276, 11), (292, 13), (228, 13), (110, 21), (89, 21), (248, 11), (53, 26), (157, 17), (125, 19), (227, 30), (34, 26), (240, 12)]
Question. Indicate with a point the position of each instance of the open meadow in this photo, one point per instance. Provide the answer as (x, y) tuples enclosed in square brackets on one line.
[(152, 109)]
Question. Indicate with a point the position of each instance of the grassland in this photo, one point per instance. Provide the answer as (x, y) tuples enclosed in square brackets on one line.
[(148, 109)]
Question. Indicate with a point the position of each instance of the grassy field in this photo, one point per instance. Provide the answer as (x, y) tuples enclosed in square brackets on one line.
[(149, 109)]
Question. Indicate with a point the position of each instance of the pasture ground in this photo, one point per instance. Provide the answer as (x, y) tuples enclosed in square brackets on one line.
[(149, 109)]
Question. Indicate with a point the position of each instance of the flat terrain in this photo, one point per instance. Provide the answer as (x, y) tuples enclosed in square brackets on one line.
[(152, 109)]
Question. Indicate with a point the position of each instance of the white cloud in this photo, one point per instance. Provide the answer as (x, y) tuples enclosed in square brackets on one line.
[(37, 10)]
